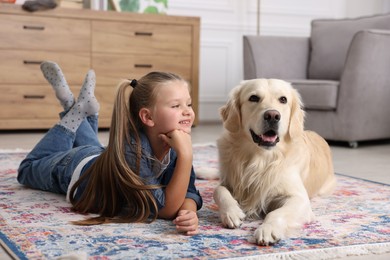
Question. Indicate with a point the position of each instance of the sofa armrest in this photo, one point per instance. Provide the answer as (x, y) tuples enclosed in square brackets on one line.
[(275, 57), (365, 82)]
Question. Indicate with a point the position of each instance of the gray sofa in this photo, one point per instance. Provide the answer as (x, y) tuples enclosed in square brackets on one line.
[(342, 72)]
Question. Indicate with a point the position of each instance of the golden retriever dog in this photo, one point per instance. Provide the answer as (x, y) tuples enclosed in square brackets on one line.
[(270, 166)]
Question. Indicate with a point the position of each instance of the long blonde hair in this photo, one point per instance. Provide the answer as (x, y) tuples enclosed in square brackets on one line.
[(111, 184)]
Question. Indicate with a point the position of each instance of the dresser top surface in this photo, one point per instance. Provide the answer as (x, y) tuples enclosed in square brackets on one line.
[(87, 14)]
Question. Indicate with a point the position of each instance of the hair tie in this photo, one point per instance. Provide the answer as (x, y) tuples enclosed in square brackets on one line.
[(133, 83)]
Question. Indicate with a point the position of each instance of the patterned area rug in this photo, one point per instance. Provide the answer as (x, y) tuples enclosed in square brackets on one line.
[(35, 225)]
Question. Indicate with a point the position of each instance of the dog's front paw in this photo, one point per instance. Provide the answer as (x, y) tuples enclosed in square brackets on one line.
[(268, 234), (232, 217)]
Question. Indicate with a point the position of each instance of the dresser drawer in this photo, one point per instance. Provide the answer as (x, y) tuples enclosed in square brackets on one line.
[(21, 66), (135, 66), (40, 102), (141, 38), (106, 96), (33, 102), (43, 33)]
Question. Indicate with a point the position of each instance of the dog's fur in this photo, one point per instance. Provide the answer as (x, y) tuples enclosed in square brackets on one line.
[(269, 166)]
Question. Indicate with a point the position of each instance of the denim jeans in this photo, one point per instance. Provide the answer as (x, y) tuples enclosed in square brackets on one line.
[(51, 163)]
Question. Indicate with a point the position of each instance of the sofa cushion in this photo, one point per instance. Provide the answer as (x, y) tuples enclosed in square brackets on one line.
[(280, 57), (317, 94), (330, 40)]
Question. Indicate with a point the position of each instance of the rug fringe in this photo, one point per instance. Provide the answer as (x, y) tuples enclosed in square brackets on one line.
[(327, 253)]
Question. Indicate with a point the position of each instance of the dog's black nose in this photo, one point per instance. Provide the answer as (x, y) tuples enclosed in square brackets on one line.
[(272, 116)]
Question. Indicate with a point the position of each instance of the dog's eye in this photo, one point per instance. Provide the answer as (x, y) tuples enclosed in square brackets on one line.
[(254, 98), (283, 100)]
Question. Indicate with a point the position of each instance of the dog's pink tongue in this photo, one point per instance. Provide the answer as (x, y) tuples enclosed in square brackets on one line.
[(267, 138)]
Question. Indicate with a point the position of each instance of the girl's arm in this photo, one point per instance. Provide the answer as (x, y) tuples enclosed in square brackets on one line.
[(176, 189)]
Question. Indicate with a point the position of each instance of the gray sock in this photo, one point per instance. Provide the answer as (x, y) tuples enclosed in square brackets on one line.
[(56, 78), (86, 105)]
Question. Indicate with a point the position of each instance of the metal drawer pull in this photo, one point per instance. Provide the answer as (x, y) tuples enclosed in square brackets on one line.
[(34, 62), (33, 96), (32, 27), (143, 65), (143, 33)]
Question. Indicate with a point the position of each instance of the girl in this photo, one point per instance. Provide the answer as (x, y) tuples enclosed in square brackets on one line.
[(144, 173)]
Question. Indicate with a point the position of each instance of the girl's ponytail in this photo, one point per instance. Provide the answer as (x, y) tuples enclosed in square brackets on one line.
[(111, 183)]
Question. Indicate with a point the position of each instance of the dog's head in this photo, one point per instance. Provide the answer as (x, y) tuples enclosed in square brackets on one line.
[(266, 110)]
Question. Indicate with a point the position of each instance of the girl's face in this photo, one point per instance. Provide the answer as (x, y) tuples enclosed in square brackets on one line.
[(173, 108)]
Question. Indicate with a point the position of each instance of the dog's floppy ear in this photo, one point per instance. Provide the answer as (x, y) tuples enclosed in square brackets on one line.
[(230, 113), (296, 126)]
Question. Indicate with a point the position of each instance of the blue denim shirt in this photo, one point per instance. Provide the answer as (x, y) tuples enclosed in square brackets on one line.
[(150, 171)]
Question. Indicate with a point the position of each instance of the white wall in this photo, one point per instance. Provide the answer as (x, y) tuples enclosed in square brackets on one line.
[(224, 22), (363, 7)]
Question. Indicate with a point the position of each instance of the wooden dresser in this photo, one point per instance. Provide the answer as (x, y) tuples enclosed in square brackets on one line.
[(116, 45)]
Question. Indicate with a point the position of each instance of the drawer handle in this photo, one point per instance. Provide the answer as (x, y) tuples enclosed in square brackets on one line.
[(143, 34), (33, 96), (32, 27), (143, 65), (32, 62)]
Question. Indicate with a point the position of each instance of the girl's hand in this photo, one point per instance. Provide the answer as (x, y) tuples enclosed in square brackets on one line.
[(180, 141), (187, 222)]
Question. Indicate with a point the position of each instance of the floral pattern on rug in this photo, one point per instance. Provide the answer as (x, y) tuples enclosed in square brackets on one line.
[(35, 224)]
